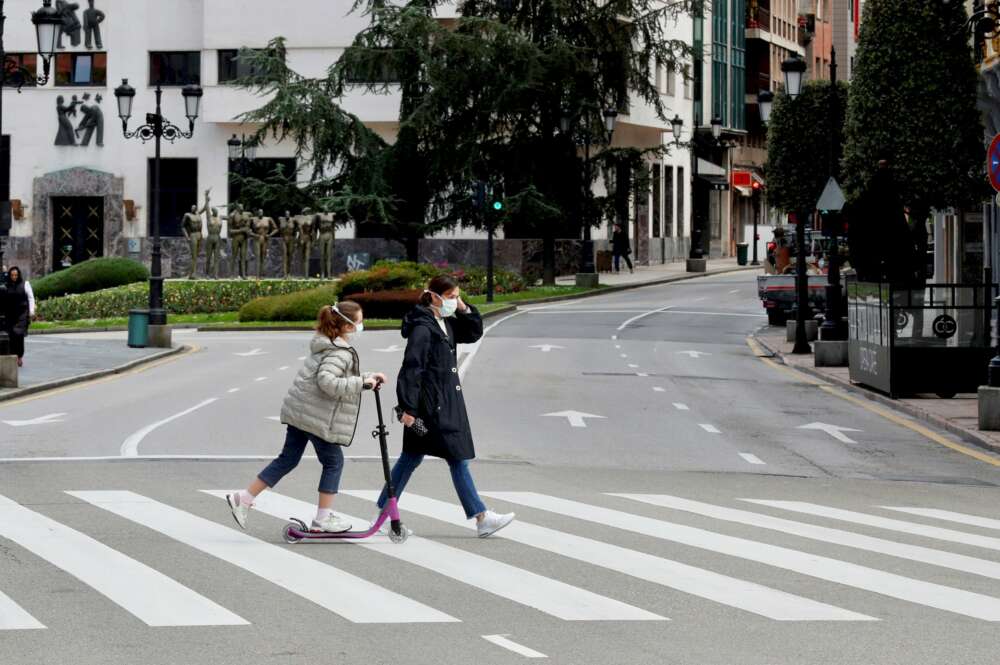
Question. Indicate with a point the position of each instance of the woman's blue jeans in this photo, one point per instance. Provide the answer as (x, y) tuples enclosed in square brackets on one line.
[(460, 476)]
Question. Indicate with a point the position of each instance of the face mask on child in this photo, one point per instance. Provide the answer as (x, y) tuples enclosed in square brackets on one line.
[(358, 326)]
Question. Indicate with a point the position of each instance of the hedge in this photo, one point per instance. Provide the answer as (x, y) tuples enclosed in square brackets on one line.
[(404, 275), (300, 306), (89, 276), (387, 304), (179, 296)]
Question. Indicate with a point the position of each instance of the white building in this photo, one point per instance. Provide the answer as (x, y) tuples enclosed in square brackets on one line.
[(72, 202)]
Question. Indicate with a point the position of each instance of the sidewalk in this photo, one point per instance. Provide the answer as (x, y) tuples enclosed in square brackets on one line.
[(656, 274), (51, 361), (959, 415)]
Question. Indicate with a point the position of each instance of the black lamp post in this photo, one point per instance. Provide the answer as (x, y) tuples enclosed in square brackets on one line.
[(765, 102), (48, 25), (156, 128), (832, 328), (585, 135)]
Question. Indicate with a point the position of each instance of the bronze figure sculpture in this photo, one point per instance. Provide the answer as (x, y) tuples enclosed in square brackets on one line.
[(307, 235), (263, 229), (239, 234), (327, 234), (191, 226), (289, 231)]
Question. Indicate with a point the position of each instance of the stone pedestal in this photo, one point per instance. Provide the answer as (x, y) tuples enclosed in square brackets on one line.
[(697, 265), (8, 371), (828, 353), (588, 280), (159, 337), (989, 409), (812, 330)]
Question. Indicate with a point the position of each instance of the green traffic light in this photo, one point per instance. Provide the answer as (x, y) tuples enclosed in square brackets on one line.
[(498, 205)]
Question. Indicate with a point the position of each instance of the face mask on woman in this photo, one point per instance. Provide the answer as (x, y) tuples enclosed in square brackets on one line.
[(448, 307)]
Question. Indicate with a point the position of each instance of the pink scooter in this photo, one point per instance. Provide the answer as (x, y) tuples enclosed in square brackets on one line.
[(297, 530)]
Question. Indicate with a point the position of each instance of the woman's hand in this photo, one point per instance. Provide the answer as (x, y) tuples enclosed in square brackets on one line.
[(462, 307), (408, 420)]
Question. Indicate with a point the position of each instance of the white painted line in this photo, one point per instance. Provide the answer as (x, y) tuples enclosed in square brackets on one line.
[(614, 337), (233, 390), (751, 458), (249, 354), (730, 591), (618, 346), (556, 598), (130, 446), (633, 366), (835, 431), (153, 458), (960, 562), (642, 316), (575, 418), (13, 616), (909, 589), (692, 354), (394, 348), (502, 641), (947, 515), (736, 314), (698, 299), (912, 528), (261, 378), (642, 374), (276, 419), (41, 420), (659, 389), (147, 594), (711, 429), (624, 355), (340, 592), (474, 350), (546, 348), (283, 368), (302, 357), (735, 291), (681, 407)]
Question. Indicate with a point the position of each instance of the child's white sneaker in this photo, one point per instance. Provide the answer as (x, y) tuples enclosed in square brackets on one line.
[(239, 508), (331, 524), (493, 522)]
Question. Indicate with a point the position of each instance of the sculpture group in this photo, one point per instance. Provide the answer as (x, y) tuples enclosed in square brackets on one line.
[(298, 234)]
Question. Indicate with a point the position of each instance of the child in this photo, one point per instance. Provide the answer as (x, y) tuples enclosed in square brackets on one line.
[(322, 407)]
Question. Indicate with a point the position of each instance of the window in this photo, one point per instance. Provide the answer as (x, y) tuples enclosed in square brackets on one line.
[(15, 63), (231, 67), (81, 69), (658, 76), (377, 69), (668, 202), (686, 73), (657, 201), (680, 200), (178, 192), (175, 68), (671, 82)]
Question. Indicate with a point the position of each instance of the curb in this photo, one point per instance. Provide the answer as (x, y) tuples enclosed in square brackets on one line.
[(79, 331), (970, 436), (17, 393)]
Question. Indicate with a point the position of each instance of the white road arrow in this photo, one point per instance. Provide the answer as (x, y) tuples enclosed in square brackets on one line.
[(545, 348), (390, 349), (835, 431), (693, 354), (576, 418), (42, 420), (255, 352)]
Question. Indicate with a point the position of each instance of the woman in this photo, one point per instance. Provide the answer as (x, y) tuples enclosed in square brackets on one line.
[(20, 311), (621, 248), (321, 407), (428, 388)]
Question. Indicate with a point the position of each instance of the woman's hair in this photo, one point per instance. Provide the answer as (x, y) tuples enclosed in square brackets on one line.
[(440, 285), (332, 324), (10, 271)]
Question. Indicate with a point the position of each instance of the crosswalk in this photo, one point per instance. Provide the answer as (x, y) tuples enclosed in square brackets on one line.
[(658, 526)]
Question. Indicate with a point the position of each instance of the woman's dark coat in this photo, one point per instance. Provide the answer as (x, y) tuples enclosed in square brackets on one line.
[(16, 306), (620, 243), (428, 386)]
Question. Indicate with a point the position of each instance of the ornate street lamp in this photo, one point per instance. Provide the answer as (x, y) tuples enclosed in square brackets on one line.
[(716, 128), (677, 126), (157, 128), (765, 102), (794, 69)]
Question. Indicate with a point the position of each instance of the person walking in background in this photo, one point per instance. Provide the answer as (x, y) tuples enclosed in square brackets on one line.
[(621, 248), (429, 390), (20, 310)]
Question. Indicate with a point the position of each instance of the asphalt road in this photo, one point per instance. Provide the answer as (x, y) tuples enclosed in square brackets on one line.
[(688, 503)]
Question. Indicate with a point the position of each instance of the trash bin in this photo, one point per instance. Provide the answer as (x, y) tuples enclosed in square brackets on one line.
[(138, 328), (741, 253)]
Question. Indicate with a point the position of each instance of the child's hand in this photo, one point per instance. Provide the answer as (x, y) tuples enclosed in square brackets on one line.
[(379, 376)]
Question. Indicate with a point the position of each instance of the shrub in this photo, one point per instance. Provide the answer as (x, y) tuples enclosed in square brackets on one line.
[(387, 304), (473, 281), (179, 297), (92, 275), (393, 277), (300, 306)]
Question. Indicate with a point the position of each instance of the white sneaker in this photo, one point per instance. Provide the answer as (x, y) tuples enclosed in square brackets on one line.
[(493, 522), (387, 525), (240, 510), (332, 524)]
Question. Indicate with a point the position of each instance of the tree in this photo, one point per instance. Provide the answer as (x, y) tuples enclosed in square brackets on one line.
[(913, 104), (800, 139)]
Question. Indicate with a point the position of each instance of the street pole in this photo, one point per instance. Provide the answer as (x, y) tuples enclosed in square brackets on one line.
[(696, 251), (157, 315), (587, 249), (801, 286), (4, 231), (832, 329), (756, 222)]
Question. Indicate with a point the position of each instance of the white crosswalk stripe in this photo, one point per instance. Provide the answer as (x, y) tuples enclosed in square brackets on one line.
[(950, 516), (152, 597), (966, 564), (13, 616), (912, 528), (351, 597), (962, 602), (544, 594), (722, 589)]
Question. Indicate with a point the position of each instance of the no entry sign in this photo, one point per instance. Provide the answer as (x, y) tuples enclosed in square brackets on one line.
[(993, 162)]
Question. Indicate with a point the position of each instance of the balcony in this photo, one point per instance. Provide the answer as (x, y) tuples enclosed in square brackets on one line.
[(758, 20)]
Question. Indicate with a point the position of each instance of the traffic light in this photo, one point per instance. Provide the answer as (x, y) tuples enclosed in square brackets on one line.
[(497, 198)]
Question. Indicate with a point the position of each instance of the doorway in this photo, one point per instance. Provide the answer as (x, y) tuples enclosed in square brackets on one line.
[(78, 230)]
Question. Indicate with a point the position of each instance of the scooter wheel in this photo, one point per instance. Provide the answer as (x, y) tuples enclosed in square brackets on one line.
[(287, 534), (401, 537)]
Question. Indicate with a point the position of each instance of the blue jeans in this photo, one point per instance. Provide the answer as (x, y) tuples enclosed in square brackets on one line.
[(330, 456), (460, 476)]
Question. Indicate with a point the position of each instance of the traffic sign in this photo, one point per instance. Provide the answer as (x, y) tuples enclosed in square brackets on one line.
[(993, 162)]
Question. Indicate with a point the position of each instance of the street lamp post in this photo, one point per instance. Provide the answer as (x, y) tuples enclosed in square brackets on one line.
[(765, 102), (48, 25), (156, 128), (832, 328)]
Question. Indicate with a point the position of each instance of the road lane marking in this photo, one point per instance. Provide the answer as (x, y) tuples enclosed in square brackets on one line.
[(642, 374), (933, 557), (520, 649), (692, 354), (351, 597), (147, 594), (233, 390), (835, 431), (575, 418), (633, 366), (130, 446), (474, 350), (909, 589), (544, 594), (14, 617), (729, 591), (260, 378), (659, 389), (642, 316), (901, 526), (41, 420), (734, 291), (751, 458), (394, 348), (283, 368), (250, 354), (681, 407), (546, 348), (736, 314), (961, 518), (711, 429)]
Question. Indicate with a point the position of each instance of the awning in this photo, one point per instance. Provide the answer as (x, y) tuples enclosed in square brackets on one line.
[(715, 181), (708, 168)]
